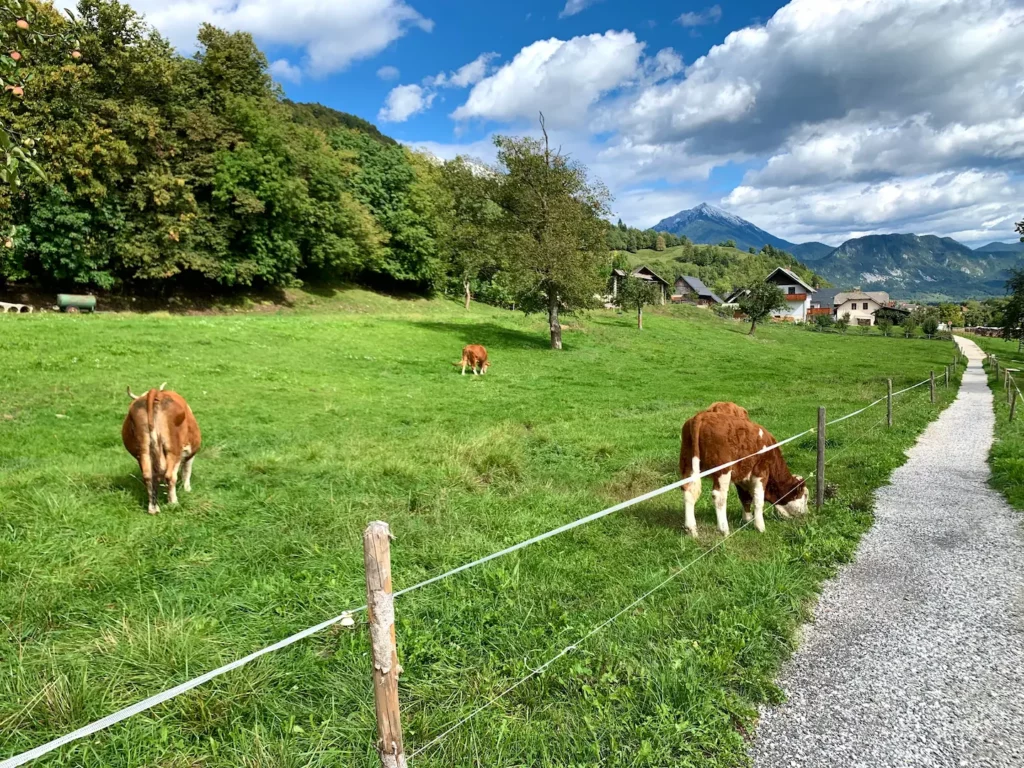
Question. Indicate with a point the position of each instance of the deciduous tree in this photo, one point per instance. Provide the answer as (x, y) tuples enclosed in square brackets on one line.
[(635, 293), (760, 301), (1013, 312), (553, 214)]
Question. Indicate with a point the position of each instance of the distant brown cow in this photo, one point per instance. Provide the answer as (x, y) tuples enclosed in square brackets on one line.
[(161, 432), (724, 433), (474, 355)]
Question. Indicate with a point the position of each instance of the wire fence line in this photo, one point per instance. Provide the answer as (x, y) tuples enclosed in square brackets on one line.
[(171, 693), (571, 648)]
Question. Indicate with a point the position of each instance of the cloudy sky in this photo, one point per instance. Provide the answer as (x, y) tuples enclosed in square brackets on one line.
[(816, 120)]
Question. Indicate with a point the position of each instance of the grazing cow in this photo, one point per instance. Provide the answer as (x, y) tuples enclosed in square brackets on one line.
[(161, 433), (473, 355), (724, 433)]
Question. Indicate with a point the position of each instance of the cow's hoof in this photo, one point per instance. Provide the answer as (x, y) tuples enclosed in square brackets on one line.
[(153, 510), (691, 532)]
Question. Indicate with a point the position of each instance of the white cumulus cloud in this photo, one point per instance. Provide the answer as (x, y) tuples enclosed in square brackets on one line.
[(403, 102), (572, 7), (388, 73), (283, 70), (331, 35), (561, 78)]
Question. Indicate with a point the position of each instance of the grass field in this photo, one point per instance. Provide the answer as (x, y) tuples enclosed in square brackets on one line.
[(1007, 457), (319, 421)]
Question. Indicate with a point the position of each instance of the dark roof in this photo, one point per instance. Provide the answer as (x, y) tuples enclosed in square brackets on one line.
[(650, 272), (826, 297), (891, 309), (731, 298), (792, 276), (699, 288), (619, 272)]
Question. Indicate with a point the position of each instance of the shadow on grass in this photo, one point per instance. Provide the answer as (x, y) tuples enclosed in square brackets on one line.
[(489, 334)]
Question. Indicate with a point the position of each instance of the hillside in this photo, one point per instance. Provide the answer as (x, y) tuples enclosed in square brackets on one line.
[(923, 267), (315, 423), (998, 247), (721, 269)]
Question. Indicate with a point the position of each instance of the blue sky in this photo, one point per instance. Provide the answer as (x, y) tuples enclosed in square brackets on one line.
[(815, 119)]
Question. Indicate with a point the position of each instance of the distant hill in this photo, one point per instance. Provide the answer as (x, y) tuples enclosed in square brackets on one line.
[(810, 251), (710, 226), (327, 120), (916, 266), (907, 266), (997, 247)]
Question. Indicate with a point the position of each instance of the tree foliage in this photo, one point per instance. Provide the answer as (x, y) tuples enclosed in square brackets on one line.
[(1013, 312), (760, 301)]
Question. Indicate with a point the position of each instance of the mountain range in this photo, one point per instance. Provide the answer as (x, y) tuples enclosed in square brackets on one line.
[(907, 266)]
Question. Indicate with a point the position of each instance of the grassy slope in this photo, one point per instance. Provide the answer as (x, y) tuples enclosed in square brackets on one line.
[(316, 423), (1007, 456)]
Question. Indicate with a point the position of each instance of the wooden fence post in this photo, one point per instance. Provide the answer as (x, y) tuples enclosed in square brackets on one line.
[(947, 377), (381, 614), (996, 361), (820, 473), (1013, 405), (933, 385), (888, 404)]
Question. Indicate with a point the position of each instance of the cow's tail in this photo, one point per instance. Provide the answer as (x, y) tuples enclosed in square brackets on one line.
[(156, 452)]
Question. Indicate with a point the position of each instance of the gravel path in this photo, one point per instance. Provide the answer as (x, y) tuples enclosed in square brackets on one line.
[(916, 655)]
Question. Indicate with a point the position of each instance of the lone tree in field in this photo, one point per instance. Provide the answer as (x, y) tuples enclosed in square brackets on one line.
[(760, 300), (930, 326), (1013, 313), (556, 233), (635, 292), (884, 325), (474, 239)]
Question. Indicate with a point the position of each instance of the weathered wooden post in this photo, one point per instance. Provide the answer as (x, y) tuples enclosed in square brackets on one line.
[(1013, 405), (820, 473), (888, 401), (933, 385), (996, 361), (947, 377), (380, 605)]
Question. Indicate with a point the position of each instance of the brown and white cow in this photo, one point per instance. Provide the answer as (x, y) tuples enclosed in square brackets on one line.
[(475, 356), (725, 433), (161, 433)]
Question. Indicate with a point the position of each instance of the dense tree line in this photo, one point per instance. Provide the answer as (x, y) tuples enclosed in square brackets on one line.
[(161, 172)]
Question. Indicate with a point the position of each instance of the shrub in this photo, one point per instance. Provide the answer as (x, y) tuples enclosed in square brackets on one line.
[(930, 326)]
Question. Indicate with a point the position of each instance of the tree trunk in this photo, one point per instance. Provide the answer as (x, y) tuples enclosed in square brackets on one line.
[(753, 325), (465, 284), (556, 328), (640, 317)]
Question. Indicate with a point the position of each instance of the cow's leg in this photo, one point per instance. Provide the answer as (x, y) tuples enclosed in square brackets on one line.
[(746, 500), (720, 494), (150, 479), (691, 492), (475, 371), (173, 464), (463, 367), (186, 474), (758, 504)]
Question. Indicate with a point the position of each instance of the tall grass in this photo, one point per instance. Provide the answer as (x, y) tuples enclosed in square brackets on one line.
[(317, 422)]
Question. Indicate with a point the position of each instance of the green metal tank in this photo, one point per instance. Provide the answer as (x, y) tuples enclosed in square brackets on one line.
[(70, 302)]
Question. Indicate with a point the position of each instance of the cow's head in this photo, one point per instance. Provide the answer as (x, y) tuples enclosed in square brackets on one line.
[(794, 500), (485, 366)]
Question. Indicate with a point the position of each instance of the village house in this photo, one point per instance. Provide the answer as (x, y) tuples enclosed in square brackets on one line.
[(643, 273), (860, 306), (693, 291), (798, 295)]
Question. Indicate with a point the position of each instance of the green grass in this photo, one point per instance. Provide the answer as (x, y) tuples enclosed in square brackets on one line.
[(316, 422), (1006, 458)]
